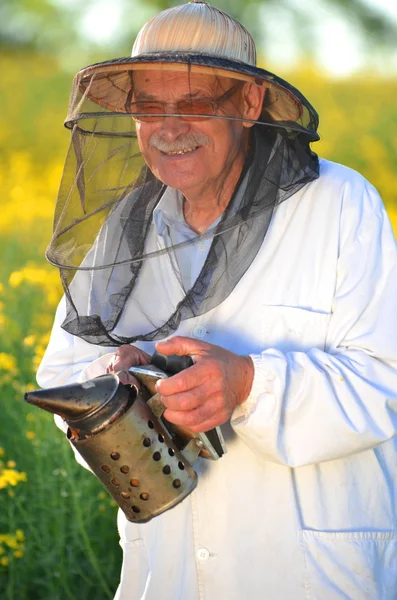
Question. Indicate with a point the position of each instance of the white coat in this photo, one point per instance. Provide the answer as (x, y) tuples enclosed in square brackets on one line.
[(304, 503)]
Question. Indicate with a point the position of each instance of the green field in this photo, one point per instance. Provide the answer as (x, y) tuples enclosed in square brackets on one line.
[(58, 537)]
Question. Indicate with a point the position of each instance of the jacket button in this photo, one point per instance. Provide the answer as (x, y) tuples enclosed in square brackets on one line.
[(200, 331), (203, 554)]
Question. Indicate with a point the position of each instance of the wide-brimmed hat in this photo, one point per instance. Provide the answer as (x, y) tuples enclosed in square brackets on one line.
[(193, 37)]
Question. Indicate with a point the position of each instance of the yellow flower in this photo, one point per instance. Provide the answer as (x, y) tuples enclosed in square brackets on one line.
[(18, 553), (10, 540), (7, 362), (46, 278), (2, 452), (30, 435), (11, 464), (19, 534), (4, 561), (15, 279), (1, 288), (11, 477), (29, 341)]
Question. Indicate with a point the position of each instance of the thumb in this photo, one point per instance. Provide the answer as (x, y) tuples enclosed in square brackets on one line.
[(181, 346)]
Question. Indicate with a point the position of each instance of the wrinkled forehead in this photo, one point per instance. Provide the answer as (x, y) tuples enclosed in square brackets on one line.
[(164, 83)]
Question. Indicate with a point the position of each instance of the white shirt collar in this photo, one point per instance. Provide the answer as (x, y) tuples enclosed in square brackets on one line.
[(169, 211)]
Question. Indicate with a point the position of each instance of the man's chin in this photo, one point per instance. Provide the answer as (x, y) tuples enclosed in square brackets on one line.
[(179, 182)]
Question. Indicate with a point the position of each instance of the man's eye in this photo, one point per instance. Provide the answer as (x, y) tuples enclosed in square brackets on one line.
[(197, 107), (151, 107)]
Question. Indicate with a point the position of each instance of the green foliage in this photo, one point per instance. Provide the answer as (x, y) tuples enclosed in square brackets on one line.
[(67, 520), (35, 24), (54, 25)]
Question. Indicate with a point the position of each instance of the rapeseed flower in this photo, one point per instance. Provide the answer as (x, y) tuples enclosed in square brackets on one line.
[(12, 541), (29, 341), (7, 363), (11, 477)]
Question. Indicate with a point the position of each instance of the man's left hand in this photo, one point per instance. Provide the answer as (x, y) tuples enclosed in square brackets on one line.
[(204, 395)]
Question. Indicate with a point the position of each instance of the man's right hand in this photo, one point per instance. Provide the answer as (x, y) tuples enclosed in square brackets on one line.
[(125, 357)]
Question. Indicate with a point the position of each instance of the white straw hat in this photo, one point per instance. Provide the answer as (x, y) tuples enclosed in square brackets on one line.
[(194, 37)]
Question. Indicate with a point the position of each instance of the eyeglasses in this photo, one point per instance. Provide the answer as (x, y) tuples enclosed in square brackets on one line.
[(150, 111)]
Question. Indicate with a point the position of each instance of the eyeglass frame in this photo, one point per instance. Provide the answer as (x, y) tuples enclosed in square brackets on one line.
[(214, 103)]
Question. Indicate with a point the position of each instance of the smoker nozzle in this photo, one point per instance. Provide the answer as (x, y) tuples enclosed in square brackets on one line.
[(76, 400)]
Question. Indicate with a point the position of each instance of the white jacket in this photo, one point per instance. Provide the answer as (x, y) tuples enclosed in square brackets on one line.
[(304, 503)]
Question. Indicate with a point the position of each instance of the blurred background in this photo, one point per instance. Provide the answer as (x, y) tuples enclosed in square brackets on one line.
[(58, 537)]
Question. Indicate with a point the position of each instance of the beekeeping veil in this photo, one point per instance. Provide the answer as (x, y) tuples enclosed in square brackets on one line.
[(105, 241)]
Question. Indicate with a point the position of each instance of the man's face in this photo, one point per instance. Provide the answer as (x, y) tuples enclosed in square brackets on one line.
[(207, 148)]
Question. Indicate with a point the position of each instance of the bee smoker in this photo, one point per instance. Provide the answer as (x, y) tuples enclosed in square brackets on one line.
[(143, 461)]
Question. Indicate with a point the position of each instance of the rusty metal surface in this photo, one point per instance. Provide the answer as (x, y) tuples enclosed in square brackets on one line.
[(138, 463)]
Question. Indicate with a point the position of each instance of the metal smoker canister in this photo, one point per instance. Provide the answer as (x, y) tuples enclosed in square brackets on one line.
[(119, 432)]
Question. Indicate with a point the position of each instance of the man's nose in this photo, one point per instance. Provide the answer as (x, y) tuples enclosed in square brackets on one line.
[(172, 127)]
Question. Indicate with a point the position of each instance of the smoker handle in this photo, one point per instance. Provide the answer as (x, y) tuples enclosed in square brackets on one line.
[(171, 364)]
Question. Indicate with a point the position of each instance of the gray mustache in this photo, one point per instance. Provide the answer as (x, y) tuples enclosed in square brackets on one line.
[(182, 143)]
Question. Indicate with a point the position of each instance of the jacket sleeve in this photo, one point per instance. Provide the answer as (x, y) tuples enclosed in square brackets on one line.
[(309, 407), (69, 359)]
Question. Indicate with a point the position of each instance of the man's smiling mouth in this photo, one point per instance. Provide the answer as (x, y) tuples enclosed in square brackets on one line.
[(185, 151)]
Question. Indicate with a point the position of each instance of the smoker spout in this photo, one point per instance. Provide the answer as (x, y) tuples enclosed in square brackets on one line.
[(76, 400)]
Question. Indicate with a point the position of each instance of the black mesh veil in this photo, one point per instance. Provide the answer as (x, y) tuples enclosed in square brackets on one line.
[(106, 243)]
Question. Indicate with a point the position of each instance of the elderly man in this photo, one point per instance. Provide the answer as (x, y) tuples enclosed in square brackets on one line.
[(276, 271)]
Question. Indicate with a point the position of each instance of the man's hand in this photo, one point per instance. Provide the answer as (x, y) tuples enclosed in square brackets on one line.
[(125, 357), (204, 395)]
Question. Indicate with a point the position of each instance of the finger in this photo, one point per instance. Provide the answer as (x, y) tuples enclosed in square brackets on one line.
[(126, 357), (110, 367), (184, 381), (197, 420), (123, 364), (182, 346), (184, 401), (127, 378), (126, 352)]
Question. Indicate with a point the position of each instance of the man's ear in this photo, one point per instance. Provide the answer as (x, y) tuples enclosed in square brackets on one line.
[(253, 96)]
